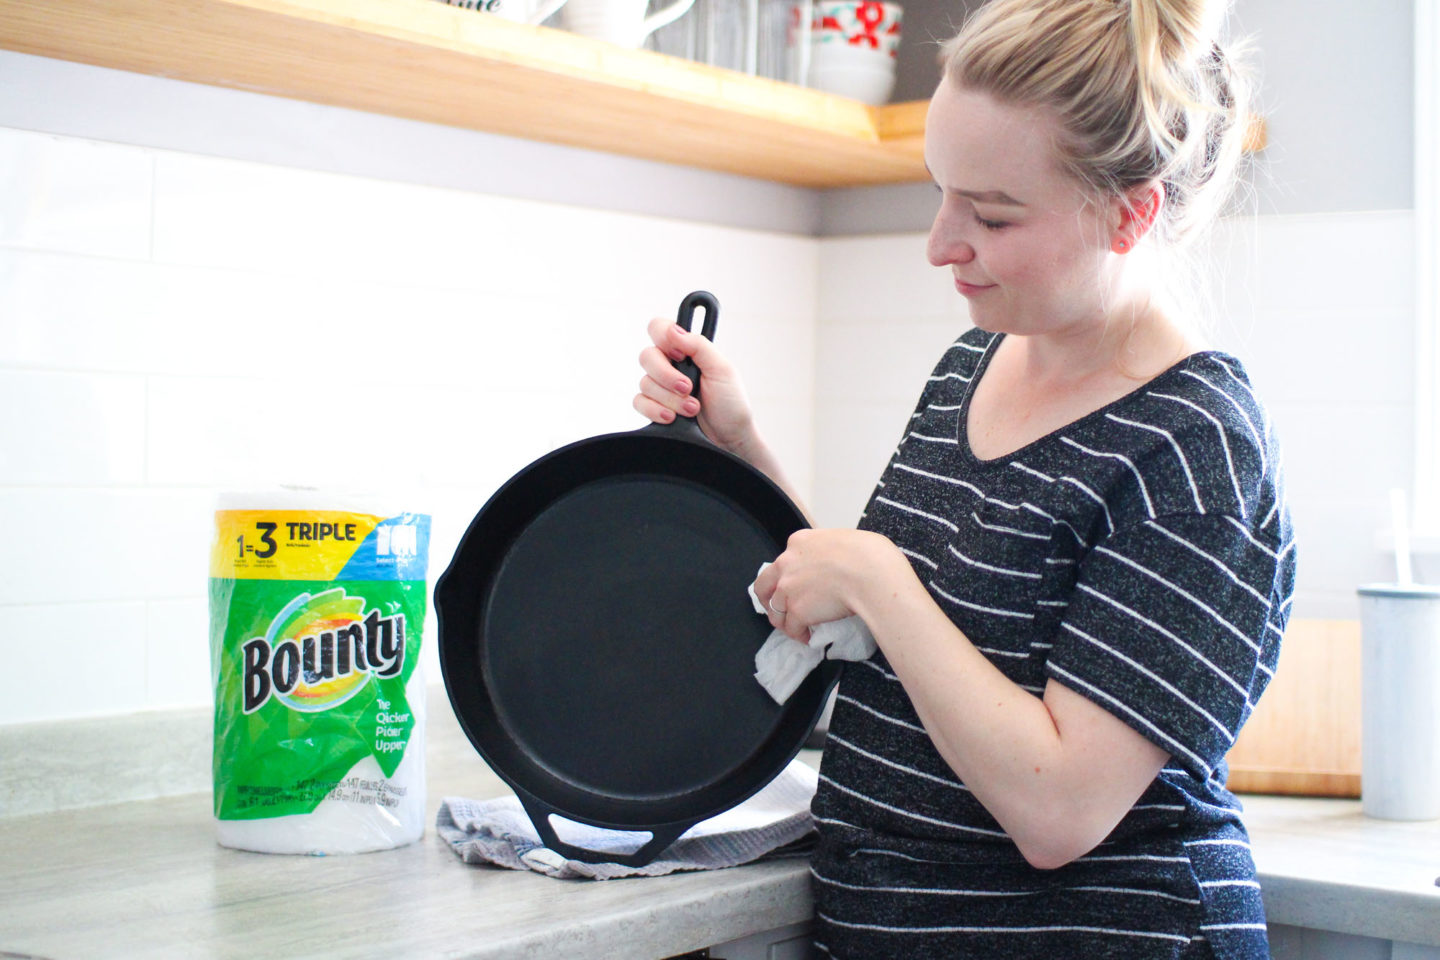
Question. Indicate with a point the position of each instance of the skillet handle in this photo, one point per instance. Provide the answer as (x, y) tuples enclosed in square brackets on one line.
[(661, 837), (685, 317)]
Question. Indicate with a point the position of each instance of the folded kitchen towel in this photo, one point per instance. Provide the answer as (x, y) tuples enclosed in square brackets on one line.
[(774, 822), (782, 663)]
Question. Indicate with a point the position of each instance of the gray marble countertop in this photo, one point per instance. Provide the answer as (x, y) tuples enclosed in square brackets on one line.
[(1324, 864), (145, 878)]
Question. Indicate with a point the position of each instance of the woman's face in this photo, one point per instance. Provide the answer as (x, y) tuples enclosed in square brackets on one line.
[(1025, 248)]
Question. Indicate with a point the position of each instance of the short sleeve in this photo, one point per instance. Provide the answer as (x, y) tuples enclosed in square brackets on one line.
[(1170, 628)]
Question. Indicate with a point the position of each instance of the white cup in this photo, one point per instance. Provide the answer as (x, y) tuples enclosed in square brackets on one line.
[(855, 72), (1400, 702), (621, 22), (520, 11)]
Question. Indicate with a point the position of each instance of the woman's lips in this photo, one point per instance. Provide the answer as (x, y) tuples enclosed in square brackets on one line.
[(971, 289)]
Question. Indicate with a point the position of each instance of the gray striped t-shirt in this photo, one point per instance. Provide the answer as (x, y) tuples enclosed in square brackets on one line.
[(1141, 556)]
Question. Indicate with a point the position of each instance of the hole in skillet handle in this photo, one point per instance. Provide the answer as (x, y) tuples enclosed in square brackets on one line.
[(661, 837), (682, 425)]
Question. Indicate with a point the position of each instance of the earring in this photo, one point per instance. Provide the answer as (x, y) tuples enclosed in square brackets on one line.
[(1121, 245)]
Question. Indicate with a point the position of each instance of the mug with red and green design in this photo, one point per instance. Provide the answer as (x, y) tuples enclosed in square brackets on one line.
[(863, 24)]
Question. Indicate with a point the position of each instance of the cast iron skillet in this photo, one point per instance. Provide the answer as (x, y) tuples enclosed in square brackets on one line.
[(597, 640)]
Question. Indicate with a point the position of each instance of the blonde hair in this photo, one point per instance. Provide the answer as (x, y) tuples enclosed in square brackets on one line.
[(1142, 90)]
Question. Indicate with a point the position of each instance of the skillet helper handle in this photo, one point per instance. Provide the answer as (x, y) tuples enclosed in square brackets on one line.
[(660, 838), (686, 317)]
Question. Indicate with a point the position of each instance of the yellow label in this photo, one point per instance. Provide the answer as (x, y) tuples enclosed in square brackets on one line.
[(286, 544)]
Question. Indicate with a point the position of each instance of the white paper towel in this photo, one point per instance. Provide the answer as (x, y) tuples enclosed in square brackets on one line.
[(317, 608), (360, 823), (782, 663)]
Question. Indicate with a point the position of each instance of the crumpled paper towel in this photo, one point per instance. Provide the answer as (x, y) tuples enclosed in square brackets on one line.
[(782, 664)]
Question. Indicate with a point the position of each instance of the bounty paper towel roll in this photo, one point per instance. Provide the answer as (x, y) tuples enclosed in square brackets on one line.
[(317, 608)]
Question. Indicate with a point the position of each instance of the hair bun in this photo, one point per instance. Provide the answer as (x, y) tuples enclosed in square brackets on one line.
[(1186, 29)]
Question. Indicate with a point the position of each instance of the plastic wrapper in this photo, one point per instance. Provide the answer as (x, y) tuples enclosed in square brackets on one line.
[(317, 609)]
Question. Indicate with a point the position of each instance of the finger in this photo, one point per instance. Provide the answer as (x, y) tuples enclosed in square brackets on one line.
[(660, 331), (766, 581), (795, 629), (775, 610), (651, 410), (695, 345), (675, 342), (659, 369), (669, 399)]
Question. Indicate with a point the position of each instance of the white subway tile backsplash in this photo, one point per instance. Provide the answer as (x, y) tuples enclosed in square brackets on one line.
[(76, 545), (1315, 262), (215, 212), (68, 312), (885, 360), (1335, 540), (84, 313), (177, 654), (853, 442), (71, 660), (74, 195), (877, 279), (1322, 356), (70, 428), (1345, 451)]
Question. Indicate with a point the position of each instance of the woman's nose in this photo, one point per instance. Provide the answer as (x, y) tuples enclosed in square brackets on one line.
[(946, 244)]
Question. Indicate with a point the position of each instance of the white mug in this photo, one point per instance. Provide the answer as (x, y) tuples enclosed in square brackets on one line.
[(618, 21), (521, 11)]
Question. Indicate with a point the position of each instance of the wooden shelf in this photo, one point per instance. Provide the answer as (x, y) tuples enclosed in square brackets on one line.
[(424, 60)]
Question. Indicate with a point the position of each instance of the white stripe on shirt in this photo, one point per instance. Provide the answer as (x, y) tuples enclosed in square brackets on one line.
[(1224, 443), (1144, 491), (1185, 464)]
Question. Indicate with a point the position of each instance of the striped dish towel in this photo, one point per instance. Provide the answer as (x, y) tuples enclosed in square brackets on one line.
[(774, 822)]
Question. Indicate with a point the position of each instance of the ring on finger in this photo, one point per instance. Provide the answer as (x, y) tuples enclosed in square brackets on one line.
[(778, 611)]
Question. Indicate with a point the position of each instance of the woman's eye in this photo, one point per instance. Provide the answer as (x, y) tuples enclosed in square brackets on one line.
[(991, 224)]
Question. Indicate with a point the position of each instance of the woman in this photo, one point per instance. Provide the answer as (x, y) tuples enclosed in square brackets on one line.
[(1078, 564)]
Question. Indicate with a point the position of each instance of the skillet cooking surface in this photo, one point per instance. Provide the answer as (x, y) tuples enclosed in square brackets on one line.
[(623, 606)]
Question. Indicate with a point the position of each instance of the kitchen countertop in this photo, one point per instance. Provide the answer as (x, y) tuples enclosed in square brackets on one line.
[(146, 878)]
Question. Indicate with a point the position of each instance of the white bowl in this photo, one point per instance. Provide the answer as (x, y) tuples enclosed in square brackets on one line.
[(840, 54), (868, 85)]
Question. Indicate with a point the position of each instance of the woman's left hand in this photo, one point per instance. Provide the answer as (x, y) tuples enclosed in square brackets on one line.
[(826, 575)]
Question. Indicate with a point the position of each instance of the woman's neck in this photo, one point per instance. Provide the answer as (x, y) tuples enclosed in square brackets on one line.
[(1136, 338)]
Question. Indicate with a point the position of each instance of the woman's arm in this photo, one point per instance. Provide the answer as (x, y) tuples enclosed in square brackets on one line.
[(1057, 773)]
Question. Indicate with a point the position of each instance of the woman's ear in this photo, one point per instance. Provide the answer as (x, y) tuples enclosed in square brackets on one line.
[(1136, 213)]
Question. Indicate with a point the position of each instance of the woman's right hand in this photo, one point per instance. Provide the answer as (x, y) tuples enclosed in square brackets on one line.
[(665, 393)]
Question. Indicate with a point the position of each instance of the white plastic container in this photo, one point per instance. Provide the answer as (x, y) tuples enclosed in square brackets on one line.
[(1400, 703)]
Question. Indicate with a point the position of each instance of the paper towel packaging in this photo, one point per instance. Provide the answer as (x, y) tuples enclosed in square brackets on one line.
[(317, 608)]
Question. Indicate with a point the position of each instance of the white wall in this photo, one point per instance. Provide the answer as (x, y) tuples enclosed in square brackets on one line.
[(172, 325), (1319, 306)]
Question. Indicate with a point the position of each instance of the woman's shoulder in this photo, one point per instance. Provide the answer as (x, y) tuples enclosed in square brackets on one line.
[(1200, 431), (1209, 395)]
